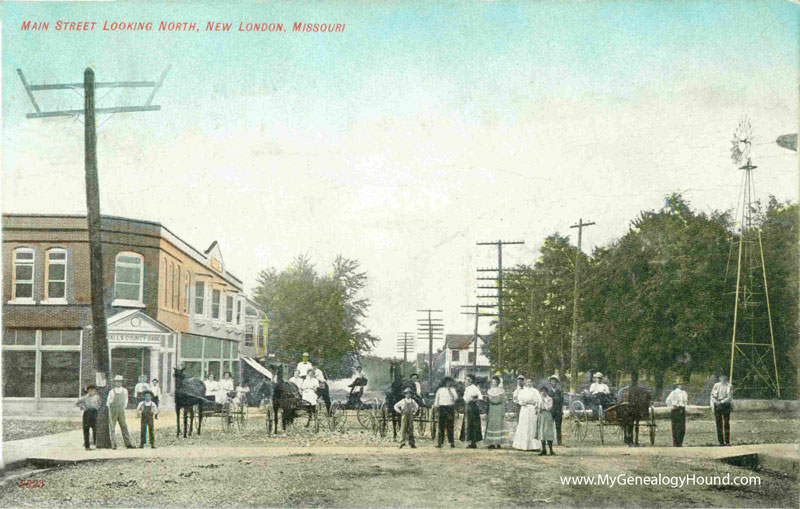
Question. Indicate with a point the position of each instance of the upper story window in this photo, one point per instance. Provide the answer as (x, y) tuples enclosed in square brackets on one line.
[(176, 288), (185, 306), (22, 287), (250, 311), (199, 298), (471, 357), (238, 312), (229, 308), (169, 300), (128, 278), (216, 295), (455, 355), (56, 287)]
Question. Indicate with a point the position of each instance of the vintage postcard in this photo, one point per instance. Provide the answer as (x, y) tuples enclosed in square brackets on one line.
[(380, 254)]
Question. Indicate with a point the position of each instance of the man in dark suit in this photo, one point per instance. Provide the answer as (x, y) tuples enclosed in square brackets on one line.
[(558, 404)]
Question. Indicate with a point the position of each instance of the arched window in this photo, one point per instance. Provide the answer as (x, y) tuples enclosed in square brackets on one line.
[(186, 291), (176, 288), (164, 278), (22, 287), (128, 278), (171, 286), (56, 275)]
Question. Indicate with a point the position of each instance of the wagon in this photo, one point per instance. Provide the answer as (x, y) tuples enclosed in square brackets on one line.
[(366, 413), (585, 409)]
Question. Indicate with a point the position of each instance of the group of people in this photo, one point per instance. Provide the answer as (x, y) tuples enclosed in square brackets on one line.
[(117, 403), (311, 382), (721, 402), (540, 415)]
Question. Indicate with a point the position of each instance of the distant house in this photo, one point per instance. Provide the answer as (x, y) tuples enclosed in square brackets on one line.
[(460, 356)]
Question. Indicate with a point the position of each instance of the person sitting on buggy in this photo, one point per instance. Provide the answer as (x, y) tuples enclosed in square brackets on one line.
[(599, 394), (308, 388), (224, 388), (356, 388), (296, 379), (323, 391)]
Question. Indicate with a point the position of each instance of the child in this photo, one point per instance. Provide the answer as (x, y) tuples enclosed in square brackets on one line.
[(407, 407), (147, 409), (89, 403)]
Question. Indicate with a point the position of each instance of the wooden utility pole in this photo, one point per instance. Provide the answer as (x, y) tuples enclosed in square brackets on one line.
[(573, 355), (98, 333), (403, 343), (499, 289), (475, 335), (432, 327)]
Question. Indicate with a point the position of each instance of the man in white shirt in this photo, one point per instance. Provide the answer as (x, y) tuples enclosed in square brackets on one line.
[(445, 401), (721, 403), (598, 386), (304, 366), (676, 401), (117, 402), (139, 388)]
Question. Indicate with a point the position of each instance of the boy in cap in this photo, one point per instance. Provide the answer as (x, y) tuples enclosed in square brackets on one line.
[(90, 404), (147, 410), (117, 402), (407, 407)]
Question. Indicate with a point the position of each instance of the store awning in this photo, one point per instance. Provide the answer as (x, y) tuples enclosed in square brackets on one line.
[(258, 367)]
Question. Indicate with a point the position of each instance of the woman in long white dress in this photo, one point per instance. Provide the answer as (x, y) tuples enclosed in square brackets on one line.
[(529, 400), (308, 388)]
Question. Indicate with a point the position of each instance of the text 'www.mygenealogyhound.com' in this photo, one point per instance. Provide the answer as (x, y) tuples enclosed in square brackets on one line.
[(672, 481)]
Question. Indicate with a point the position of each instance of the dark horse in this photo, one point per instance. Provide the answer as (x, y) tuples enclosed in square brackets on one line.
[(634, 406), (284, 398), (189, 392), (393, 394)]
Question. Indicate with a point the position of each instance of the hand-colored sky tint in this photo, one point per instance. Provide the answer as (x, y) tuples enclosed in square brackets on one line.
[(420, 130)]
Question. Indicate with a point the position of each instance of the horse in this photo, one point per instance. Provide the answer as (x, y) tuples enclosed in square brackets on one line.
[(634, 407), (189, 392), (393, 394)]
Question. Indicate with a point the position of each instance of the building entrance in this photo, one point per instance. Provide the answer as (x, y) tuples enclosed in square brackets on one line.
[(131, 363)]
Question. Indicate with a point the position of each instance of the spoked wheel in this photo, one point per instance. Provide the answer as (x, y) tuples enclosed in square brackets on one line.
[(269, 413), (601, 417), (422, 420), (338, 416), (578, 421), (366, 416), (320, 411), (652, 426)]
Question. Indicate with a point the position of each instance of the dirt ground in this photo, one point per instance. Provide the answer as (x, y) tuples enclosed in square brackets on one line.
[(333, 469), (424, 477)]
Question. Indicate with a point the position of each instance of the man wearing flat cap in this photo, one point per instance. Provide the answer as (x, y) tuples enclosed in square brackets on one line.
[(117, 402)]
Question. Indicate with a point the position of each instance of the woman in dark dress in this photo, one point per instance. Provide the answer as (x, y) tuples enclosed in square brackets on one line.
[(473, 413)]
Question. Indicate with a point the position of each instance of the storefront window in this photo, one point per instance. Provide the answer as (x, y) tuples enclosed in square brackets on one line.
[(19, 374), (191, 347), (193, 369), (213, 348), (61, 374), (214, 369), (19, 337)]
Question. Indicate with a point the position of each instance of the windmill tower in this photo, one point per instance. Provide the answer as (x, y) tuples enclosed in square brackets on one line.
[(754, 366)]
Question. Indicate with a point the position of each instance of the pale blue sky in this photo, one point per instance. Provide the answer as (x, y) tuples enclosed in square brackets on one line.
[(420, 130)]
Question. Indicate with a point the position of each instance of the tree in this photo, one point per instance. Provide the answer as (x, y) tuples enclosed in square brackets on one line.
[(319, 314)]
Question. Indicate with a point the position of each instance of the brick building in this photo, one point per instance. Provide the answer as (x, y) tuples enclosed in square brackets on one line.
[(166, 303)]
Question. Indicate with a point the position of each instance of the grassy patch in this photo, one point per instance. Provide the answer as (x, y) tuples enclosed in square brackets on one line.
[(17, 429)]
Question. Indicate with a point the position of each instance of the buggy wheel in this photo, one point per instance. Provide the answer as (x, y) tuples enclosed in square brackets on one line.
[(600, 427), (320, 410), (366, 416), (578, 421), (422, 421), (338, 416), (652, 426), (269, 413)]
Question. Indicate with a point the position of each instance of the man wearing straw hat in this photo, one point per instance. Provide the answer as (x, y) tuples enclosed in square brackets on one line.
[(117, 402)]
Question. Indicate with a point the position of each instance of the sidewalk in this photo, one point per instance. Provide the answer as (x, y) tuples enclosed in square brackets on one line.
[(70, 443)]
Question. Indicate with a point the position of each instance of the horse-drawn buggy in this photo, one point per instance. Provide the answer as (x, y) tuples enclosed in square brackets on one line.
[(367, 412), (624, 415), (191, 394)]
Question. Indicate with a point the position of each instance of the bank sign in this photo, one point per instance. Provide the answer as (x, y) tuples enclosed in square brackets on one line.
[(135, 338)]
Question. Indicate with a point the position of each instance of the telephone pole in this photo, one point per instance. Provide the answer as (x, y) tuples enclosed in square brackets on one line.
[(499, 289), (573, 351), (405, 342), (434, 329), (99, 336)]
